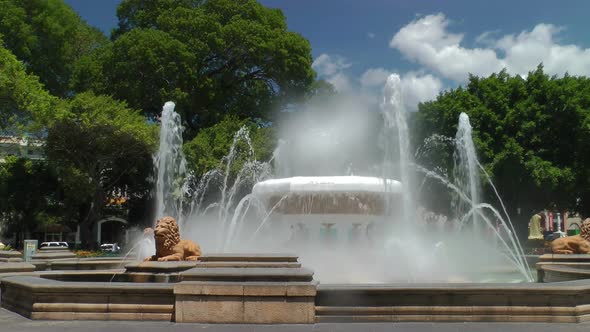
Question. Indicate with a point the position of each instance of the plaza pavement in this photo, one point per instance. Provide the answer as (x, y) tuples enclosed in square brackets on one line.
[(11, 322)]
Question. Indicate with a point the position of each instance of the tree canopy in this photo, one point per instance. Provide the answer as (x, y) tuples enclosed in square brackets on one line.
[(29, 194), (531, 134), (49, 37), (207, 149), (100, 145), (24, 103), (213, 58)]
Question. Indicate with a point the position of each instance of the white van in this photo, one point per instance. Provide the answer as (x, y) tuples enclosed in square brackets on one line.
[(110, 247), (54, 245)]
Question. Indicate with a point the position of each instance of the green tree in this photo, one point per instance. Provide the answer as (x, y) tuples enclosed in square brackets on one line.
[(24, 103), (49, 37), (206, 151), (29, 195), (530, 134), (213, 58), (100, 145)]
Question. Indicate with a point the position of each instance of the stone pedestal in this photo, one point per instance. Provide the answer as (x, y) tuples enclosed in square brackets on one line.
[(11, 256), (246, 289), (245, 302), (557, 267)]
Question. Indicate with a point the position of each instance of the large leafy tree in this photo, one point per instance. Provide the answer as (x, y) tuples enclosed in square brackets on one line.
[(29, 195), (98, 146), (49, 37), (531, 135), (207, 150), (213, 58), (24, 103)]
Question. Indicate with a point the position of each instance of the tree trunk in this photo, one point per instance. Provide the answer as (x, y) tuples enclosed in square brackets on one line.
[(87, 224)]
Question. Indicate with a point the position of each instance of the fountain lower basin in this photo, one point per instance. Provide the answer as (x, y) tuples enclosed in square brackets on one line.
[(239, 288)]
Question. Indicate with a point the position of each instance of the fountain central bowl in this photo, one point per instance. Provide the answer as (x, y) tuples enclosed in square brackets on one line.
[(351, 195)]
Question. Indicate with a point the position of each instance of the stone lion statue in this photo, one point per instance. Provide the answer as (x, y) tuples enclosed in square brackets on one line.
[(577, 244), (169, 246)]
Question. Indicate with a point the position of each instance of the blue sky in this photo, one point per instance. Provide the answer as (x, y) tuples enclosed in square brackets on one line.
[(432, 44)]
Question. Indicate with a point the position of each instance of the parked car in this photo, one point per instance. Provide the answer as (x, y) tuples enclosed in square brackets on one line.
[(54, 245), (110, 247)]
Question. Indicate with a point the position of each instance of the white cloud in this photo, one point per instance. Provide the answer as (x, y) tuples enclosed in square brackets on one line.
[(428, 42), (330, 68), (418, 88), (374, 77), (326, 65), (370, 35), (415, 87), (340, 81)]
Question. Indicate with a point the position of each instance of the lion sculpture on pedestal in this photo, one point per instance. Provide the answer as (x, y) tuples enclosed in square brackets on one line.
[(169, 246), (577, 244)]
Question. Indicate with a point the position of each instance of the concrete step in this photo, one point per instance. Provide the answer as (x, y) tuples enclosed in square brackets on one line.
[(248, 274), (233, 257)]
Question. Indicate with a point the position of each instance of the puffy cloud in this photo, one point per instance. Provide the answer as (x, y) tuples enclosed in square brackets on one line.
[(327, 65), (340, 81), (415, 87), (527, 49), (330, 68), (418, 88), (428, 42)]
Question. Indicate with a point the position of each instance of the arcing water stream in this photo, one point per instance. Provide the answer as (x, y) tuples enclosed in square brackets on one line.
[(221, 213)]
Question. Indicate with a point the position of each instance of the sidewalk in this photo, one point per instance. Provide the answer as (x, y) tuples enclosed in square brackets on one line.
[(11, 322)]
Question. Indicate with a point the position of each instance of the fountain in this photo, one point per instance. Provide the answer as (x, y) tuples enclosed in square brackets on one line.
[(394, 115), (360, 234), (466, 172), (170, 165), (318, 217)]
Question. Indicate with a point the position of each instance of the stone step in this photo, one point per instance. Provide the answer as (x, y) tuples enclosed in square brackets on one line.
[(221, 264), (453, 318), (450, 313), (16, 267), (49, 255), (10, 254), (160, 267), (564, 258), (232, 257), (248, 274)]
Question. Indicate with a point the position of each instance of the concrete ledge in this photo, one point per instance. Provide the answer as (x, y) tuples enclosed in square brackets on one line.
[(555, 302), (265, 265), (557, 273), (50, 254), (564, 258), (249, 258), (248, 274), (40, 298), (69, 264), (66, 265), (16, 267), (11, 256), (288, 289), (160, 267)]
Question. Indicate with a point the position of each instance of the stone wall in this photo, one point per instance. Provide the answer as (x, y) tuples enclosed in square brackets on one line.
[(45, 299), (527, 302)]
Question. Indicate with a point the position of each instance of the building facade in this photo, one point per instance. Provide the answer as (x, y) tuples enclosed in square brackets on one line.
[(21, 147)]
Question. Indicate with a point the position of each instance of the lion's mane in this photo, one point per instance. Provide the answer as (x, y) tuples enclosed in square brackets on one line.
[(172, 234)]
